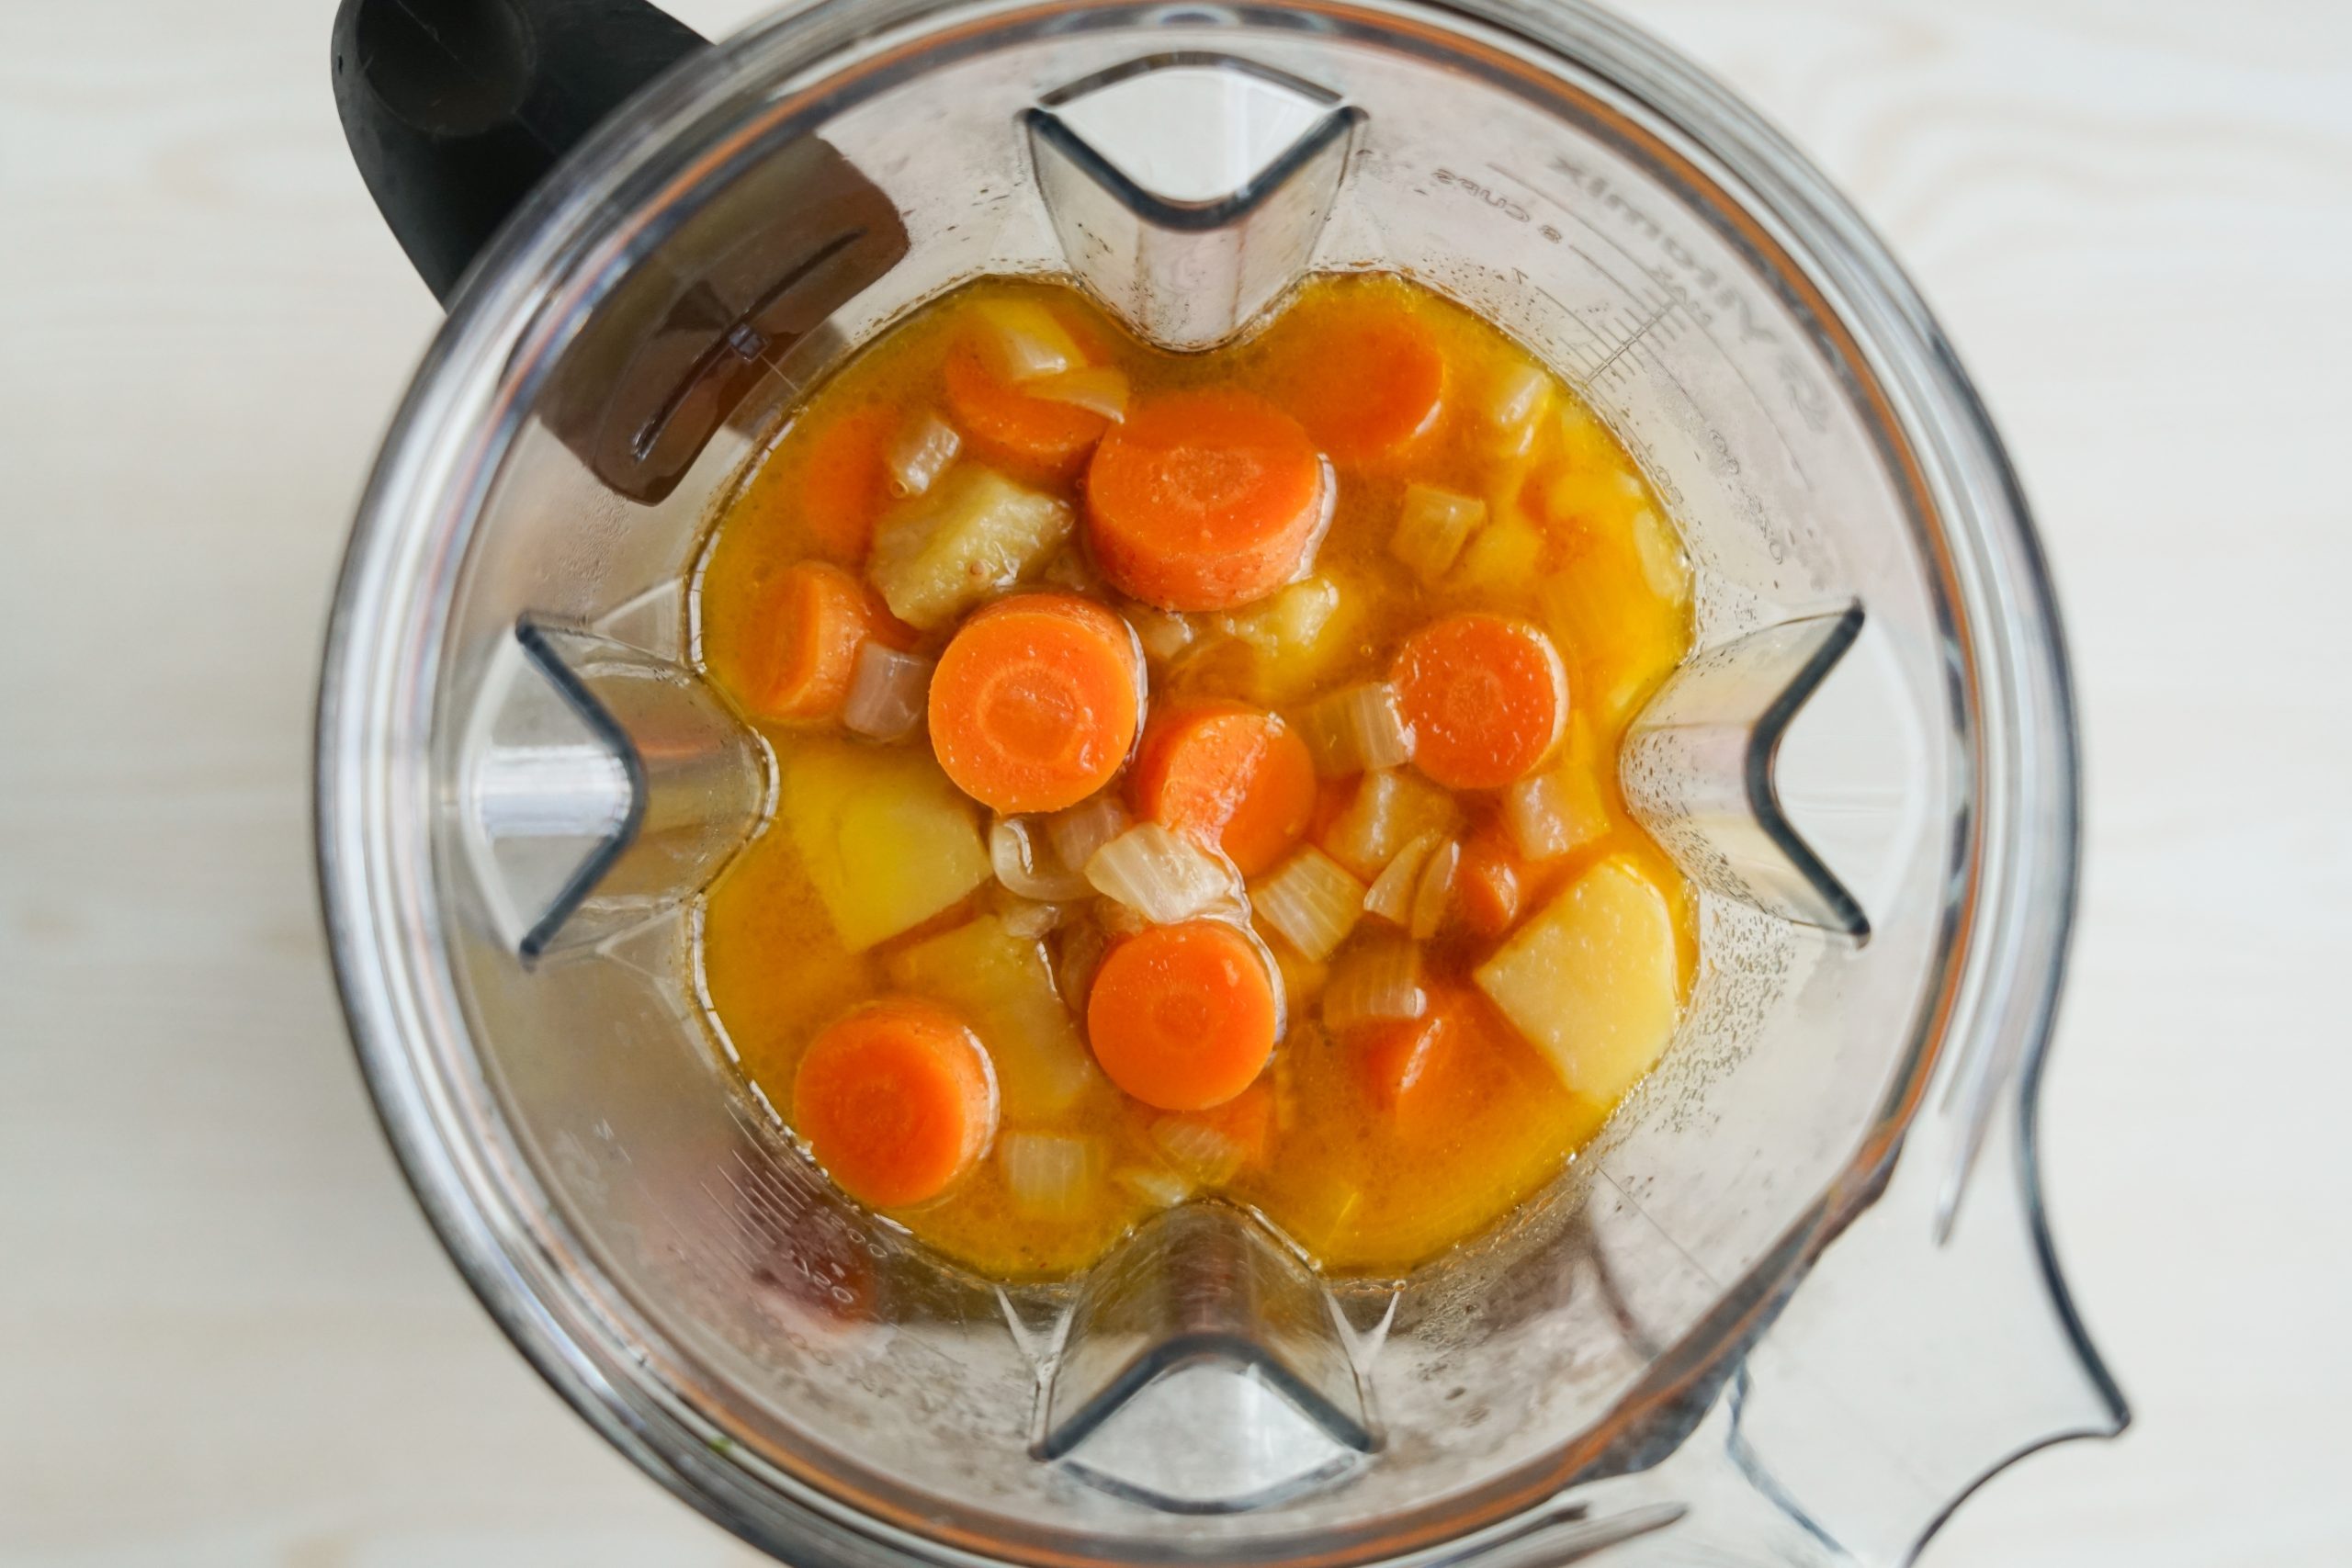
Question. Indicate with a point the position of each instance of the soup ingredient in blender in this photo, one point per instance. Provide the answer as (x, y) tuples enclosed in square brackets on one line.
[(1233, 778), (1485, 698), (974, 536), (1036, 700), (818, 620), (1374, 386), (898, 1101), (1183, 1017), (886, 842), (1591, 981), (1203, 501), (1000, 377), (1226, 745)]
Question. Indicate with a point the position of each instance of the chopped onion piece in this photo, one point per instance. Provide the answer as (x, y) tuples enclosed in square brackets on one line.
[(1078, 954), (887, 691), (1389, 810), (1208, 1154), (1085, 827), (1432, 527), (1026, 917), (1312, 900), (920, 453), (1163, 877), (1160, 1188), (1025, 341), (1163, 633), (1374, 981), (1303, 980), (1555, 812), (1030, 867), (1048, 1175), (1098, 389), (1391, 897), (1284, 1075), (1515, 407), (1432, 898), (1072, 569), (1357, 729)]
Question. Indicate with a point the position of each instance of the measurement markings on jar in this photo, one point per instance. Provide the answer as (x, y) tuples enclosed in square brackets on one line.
[(1709, 299)]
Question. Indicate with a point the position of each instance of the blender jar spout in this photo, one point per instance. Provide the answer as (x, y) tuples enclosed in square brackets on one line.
[(604, 786), (1190, 240), (1699, 771), (1206, 1370)]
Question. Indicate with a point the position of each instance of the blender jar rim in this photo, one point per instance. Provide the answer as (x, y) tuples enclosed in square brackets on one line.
[(2012, 908)]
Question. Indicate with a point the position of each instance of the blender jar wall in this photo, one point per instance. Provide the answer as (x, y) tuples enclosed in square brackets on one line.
[(639, 1226)]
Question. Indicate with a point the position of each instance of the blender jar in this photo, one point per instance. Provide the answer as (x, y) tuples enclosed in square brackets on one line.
[(1797, 1301)]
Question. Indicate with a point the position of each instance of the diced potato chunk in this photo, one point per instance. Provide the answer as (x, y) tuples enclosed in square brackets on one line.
[(973, 536), (1295, 637), (1622, 641), (1390, 810), (886, 841), (1604, 499), (1003, 984), (1591, 981), (1505, 558)]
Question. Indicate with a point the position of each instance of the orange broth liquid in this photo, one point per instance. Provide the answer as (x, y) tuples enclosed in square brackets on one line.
[(1574, 541)]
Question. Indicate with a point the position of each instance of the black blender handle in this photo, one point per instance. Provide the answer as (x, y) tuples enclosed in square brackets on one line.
[(455, 108)]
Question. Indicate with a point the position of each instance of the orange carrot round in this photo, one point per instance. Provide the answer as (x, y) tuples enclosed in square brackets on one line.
[(1371, 386), (845, 483), (1183, 1017), (1405, 1065), (1490, 883), (1228, 776), (812, 621), (1485, 696), (1036, 703), (1429, 1078), (1204, 500), (898, 1101), (1009, 423)]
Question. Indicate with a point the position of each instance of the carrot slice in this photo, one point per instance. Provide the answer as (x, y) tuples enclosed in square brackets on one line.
[(1011, 424), (814, 619), (1248, 1119), (1490, 883), (1183, 1017), (1036, 703), (1404, 1063), (1430, 1076), (845, 483), (898, 1101), (1204, 500), (1229, 777), (1487, 698), (1370, 385)]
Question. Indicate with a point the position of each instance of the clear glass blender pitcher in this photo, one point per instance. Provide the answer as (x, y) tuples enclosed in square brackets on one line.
[(1797, 1301)]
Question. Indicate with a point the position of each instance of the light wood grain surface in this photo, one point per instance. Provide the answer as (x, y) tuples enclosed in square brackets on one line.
[(228, 1337)]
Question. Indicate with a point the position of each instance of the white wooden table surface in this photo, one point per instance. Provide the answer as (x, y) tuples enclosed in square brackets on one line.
[(226, 1337)]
